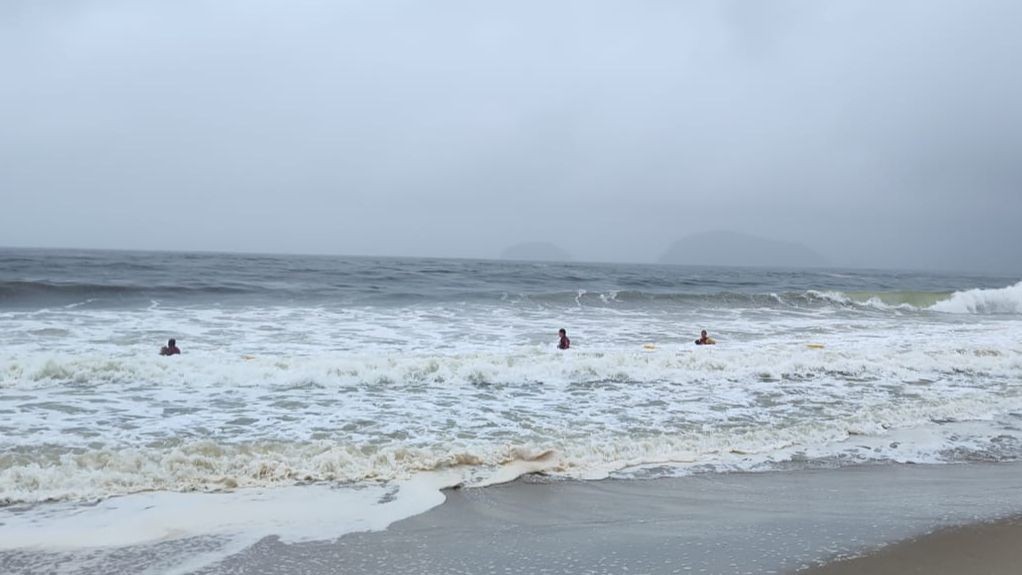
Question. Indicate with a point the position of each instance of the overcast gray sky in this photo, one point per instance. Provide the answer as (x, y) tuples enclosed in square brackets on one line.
[(878, 133)]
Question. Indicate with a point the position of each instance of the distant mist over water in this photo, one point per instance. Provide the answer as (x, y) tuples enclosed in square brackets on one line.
[(536, 251), (723, 248)]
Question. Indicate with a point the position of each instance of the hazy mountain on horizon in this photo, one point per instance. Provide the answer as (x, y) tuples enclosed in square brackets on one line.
[(725, 248)]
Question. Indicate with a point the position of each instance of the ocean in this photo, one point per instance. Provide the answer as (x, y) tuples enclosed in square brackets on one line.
[(317, 396)]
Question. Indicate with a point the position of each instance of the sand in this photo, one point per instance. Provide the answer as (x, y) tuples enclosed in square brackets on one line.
[(757, 523), (980, 549), (733, 523)]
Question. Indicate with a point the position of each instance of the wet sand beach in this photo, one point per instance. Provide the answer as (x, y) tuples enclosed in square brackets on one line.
[(733, 523), (777, 522), (981, 549)]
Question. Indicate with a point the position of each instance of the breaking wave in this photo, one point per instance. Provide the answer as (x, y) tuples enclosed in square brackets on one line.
[(1006, 300), (525, 367), (93, 428), (928, 432), (53, 474), (20, 294)]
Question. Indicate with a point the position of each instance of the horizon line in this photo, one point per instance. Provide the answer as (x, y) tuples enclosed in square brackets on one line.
[(500, 259)]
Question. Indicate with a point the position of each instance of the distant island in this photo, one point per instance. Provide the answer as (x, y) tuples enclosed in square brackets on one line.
[(721, 248), (536, 251)]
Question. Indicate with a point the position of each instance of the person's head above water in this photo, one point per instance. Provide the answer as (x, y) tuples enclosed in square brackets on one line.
[(564, 343), (705, 339), (170, 348)]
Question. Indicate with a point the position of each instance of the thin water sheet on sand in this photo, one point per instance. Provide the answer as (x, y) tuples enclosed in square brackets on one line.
[(715, 523)]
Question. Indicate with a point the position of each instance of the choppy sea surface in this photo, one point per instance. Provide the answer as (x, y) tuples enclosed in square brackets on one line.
[(376, 381)]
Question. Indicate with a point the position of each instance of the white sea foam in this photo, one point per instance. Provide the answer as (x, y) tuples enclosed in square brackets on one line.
[(210, 466), (915, 433), (832, 296), (244, 516), (212, 425), (266, 399), (873, 301), (349, 397), (1006, 300)]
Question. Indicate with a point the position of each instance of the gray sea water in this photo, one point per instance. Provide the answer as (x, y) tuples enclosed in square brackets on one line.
[(327, 394)]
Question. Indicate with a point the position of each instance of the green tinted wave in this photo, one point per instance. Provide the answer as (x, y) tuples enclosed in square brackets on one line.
[(918, 299)]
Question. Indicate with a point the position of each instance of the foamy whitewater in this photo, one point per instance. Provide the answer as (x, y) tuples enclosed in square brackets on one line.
[(317, 396)]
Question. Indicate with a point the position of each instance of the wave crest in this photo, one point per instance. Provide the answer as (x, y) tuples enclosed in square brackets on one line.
[(1006, 300), (925, 432), (53, 474)]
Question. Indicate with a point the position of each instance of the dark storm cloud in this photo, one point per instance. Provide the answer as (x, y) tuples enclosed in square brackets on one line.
[(878, 134)]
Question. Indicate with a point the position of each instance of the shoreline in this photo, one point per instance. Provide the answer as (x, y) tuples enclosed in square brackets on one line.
[(988, 547), (799, 521)]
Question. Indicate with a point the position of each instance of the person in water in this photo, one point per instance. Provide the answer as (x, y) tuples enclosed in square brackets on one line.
[(565, 343), (705, 339), (171, 348)]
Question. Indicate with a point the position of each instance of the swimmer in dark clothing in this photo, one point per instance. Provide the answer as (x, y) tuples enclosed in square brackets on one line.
[(171, 348), (565, 343), (705, 339)]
